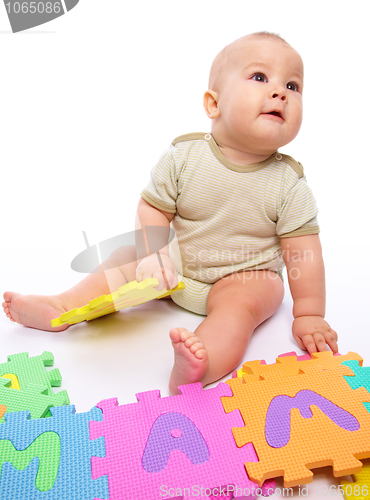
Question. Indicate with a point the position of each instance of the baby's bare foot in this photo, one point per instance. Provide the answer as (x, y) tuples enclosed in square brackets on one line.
[(35, 311), (191, 359)]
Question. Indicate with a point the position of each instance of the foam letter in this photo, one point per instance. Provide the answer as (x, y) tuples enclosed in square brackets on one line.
[(277, 427), (173, 431)]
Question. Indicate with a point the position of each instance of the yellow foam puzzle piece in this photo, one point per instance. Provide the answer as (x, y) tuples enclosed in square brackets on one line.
[(129, 295), (360, 489)]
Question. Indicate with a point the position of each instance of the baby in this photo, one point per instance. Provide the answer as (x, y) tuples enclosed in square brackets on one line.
[(240, 210)]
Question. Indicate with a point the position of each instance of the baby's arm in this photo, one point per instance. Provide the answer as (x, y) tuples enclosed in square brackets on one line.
[(154, 266), (303, 258)]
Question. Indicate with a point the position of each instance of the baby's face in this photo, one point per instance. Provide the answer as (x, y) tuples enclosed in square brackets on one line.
[(260, 100)]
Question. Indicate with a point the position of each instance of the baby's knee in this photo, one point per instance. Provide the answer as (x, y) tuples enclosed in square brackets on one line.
[(237, 298), (255, 305)]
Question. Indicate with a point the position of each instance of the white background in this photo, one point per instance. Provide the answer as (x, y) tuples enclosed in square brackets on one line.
[(89, 102)]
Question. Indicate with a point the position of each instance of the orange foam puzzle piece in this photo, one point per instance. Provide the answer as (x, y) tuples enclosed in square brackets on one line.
[(2, 411), (290, 366), (313, 442)]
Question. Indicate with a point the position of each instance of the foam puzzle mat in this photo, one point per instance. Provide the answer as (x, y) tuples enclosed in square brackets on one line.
[(360, 488), (129, 295), (232, 441)]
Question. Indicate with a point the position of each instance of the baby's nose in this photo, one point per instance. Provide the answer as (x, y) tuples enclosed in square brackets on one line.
[(280, 94)]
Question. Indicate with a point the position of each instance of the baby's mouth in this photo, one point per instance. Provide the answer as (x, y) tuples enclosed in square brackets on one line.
[(275, 113)]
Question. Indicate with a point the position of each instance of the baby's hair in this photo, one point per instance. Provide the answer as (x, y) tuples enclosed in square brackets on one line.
[(226, 56), (266, 34)]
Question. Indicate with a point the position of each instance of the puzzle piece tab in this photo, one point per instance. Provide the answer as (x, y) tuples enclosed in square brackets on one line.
[(302, 357), (318, 420), (70, 475), (361, 377), (13, 379), (291, 365), (174, 446), (33, 398), (129, 295)]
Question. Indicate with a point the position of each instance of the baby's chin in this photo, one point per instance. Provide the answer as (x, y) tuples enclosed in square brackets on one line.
[(261, 146), (259, 139), (269, 140)]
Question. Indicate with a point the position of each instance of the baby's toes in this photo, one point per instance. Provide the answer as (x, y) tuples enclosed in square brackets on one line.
[(190, 341), (175, 334), (8, 313), (8, 296), (188, 337), (6, 309), (198, 350)]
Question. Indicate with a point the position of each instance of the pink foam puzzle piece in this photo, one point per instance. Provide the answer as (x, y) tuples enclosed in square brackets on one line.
[(302, 357), (177, 446)]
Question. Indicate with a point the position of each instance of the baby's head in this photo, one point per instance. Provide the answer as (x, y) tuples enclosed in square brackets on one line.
[(255, 94)]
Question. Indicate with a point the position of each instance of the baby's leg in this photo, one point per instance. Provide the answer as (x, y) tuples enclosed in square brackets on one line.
[(36, 311), (236, 305)]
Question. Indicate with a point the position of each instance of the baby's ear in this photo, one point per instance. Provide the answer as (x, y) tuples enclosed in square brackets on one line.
[(210, 104)]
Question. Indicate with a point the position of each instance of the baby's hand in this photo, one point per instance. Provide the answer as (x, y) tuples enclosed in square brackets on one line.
[(150, 267), (312, 333)]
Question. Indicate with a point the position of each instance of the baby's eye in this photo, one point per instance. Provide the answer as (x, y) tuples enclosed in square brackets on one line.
[(259, 77), (292, 86)]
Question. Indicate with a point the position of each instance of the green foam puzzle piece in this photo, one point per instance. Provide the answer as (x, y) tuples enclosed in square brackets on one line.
[(31, 370), (361, 374), (34, 398), (46, 448)]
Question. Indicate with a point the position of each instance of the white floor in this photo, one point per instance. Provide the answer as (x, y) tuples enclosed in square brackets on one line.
[(129, 352)]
